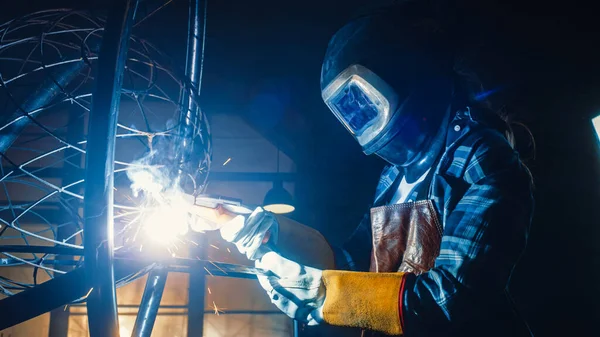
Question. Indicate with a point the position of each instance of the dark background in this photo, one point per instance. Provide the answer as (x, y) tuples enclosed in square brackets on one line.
[(546, 58)]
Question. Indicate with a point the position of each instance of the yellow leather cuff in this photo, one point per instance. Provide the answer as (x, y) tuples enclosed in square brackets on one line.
[(363, 300)]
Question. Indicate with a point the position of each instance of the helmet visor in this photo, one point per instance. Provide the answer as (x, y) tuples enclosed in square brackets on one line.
[(361, 101)]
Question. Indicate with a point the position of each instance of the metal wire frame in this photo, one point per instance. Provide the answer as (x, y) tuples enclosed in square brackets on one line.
[(44, 45)]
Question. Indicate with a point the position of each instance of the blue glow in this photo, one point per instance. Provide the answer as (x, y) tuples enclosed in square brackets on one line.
[(483, 95)]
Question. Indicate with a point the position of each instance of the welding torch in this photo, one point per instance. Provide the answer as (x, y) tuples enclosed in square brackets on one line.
[(215, 211)]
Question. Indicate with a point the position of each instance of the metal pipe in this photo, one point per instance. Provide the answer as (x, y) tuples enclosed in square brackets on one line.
[(189, 116), (99, 197), (155, 285), (197, 292), (59, 318), (42, 96)]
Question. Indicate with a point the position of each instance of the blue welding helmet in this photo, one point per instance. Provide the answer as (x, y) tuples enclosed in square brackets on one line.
[(390, 83)]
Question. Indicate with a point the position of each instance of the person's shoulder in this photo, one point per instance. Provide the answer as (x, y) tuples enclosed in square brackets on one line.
[(481, 152)]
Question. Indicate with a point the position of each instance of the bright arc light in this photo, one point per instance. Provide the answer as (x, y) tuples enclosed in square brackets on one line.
[(165, 223), (596, 123)]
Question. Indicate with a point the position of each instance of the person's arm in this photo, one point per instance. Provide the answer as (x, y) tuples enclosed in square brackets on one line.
[(484, 235)]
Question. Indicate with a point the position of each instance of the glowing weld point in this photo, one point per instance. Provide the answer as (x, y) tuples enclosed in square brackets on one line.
[(164, 224), (227, 161)]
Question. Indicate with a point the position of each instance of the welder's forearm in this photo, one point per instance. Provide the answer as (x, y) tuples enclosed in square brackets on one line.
[(364, 300)]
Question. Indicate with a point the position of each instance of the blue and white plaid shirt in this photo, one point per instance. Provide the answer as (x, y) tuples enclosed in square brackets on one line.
[(483, 196)]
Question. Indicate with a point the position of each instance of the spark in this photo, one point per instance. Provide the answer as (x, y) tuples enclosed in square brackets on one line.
[(194, 242), (228, 250), (208, 272), (218, 267), (215, 247), (217, 309), (89, 292), (210, 292), (227, 161)]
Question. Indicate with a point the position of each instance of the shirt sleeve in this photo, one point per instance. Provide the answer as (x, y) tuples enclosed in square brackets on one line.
[(484, 236)]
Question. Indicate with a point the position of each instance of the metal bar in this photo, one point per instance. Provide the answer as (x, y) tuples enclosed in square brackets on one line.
[(206, 312), (55, 293), (43, 298), (41, 250), (197, 291), (155, 285), (59, 318), (189, 117), (173, 264), (42, 96), (99, 193), (8, 262), (52, 172), (189, 120), (296, 331)]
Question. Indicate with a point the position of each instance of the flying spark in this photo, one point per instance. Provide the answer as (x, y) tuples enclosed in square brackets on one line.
[(227, 161), (217, 309)]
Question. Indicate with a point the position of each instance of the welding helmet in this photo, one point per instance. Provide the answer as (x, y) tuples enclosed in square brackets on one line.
[(390, 82)]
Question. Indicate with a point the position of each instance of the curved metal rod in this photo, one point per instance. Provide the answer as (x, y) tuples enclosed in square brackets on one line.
[(99, 193)]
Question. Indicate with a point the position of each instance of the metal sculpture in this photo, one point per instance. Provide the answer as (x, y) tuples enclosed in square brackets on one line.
[(62, 71)]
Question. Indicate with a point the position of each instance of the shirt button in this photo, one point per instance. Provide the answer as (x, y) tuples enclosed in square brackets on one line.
[(457, 128)]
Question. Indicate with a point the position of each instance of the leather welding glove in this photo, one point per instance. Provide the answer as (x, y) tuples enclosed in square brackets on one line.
[(342, 298), (248, 232), (262, 231), (251, 233), (297, 290)]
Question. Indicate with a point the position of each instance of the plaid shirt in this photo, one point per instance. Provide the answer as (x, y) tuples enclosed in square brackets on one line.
[(482, 194)]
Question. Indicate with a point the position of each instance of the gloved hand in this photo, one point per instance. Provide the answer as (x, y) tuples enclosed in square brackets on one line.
[(251, 231), (296, 290), (247, 231)]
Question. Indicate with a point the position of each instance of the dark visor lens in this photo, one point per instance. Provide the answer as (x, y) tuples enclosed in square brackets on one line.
[(354, 106)]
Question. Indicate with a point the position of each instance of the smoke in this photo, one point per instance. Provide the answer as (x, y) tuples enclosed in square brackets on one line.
[(163, 203)]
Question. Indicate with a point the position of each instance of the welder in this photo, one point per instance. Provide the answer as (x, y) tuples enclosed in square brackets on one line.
[(452, 211)]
